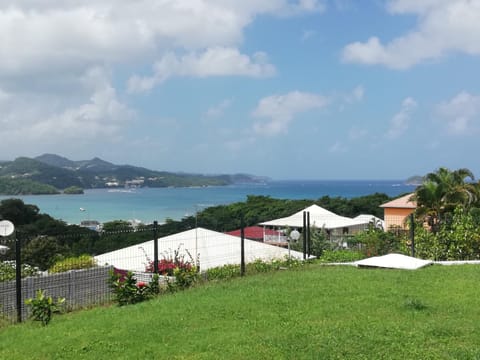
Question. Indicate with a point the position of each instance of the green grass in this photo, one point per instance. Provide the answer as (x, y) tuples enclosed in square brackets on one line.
[(316, 312)]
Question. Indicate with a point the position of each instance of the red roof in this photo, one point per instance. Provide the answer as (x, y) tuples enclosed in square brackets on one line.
[(254, 232)]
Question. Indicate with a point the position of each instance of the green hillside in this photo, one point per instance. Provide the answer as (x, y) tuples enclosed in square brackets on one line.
[(61, 173)]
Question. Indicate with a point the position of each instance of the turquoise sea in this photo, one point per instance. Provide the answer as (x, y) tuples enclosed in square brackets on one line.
[(149, 204)]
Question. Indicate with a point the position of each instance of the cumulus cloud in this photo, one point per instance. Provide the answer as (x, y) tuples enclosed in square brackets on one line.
[(400, 121), (41, 35), (217, 61), (444, 26), (45, 120), (462, 113), (48, 91), (280, 110)]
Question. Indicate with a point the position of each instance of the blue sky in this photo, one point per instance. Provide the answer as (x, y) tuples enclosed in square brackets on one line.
[(290, 89)]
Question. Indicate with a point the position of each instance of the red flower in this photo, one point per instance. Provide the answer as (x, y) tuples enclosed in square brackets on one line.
[(141, 284)]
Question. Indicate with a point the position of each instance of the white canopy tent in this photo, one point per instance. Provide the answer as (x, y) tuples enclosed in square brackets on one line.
[(319, 218), (213, 248)]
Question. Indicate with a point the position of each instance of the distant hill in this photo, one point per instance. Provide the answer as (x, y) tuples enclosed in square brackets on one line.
[(415, 180), (61, 173)]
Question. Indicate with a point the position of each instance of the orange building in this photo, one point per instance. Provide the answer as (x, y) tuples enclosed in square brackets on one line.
[(396, 211)]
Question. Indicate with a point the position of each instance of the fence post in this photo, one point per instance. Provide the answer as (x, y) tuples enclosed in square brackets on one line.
[(242, 247), (304, 235), (412, 233), (308, 234), (18, 276), (155, 247)]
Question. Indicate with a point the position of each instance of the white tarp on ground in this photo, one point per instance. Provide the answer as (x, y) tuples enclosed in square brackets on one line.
[(319, 218), (213, 248), (394, 261)]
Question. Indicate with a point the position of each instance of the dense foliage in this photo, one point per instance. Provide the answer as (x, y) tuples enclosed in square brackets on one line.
[(448, 215), (73, 190), (73, 263), (9, 186)]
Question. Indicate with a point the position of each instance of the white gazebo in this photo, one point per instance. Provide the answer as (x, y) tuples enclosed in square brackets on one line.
[(213, 249), (322, 219)]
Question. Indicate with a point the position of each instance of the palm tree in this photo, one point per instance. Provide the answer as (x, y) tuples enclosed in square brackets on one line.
[(442, 191)]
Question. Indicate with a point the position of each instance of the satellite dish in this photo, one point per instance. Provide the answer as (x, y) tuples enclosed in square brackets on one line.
[(6, 228)]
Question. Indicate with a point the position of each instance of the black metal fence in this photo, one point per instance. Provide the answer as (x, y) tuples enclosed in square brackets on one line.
[(83, 281)]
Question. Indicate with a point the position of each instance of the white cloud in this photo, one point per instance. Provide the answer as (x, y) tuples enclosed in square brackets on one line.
[(400, 121), (48, 92), (444, 26), (43, 121), (217, 61), (40, 36), (219, 109), (462, 113), (280, 110)]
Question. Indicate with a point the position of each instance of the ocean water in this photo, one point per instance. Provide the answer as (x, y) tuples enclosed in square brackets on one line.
[(149, 204)]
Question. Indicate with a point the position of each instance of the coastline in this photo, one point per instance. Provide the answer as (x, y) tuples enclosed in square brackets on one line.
[(149, 204)]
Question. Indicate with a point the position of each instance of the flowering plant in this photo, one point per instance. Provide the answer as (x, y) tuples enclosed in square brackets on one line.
[(170, 262), (128, 291), (176, 265), (167, 266)]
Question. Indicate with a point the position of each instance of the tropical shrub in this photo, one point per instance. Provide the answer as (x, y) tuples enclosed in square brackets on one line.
[(456, 239), (127, 290), (227, 271), (183, 278), (44, 306), (73, 263), (374, 242)]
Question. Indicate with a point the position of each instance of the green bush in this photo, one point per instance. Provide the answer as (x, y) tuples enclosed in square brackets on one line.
[(456, 239), (374, 242), (44, 306), (331, 256), (184, 278), (73, 263), (224, 272)]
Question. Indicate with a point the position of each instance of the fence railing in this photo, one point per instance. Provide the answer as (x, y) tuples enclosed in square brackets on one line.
[(129, 251), (80, 288)]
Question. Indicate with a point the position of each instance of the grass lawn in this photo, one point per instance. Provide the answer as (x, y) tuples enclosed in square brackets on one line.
[(317, 312)]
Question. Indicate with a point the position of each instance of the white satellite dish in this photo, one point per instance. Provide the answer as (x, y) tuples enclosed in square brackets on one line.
[(6, 228)]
